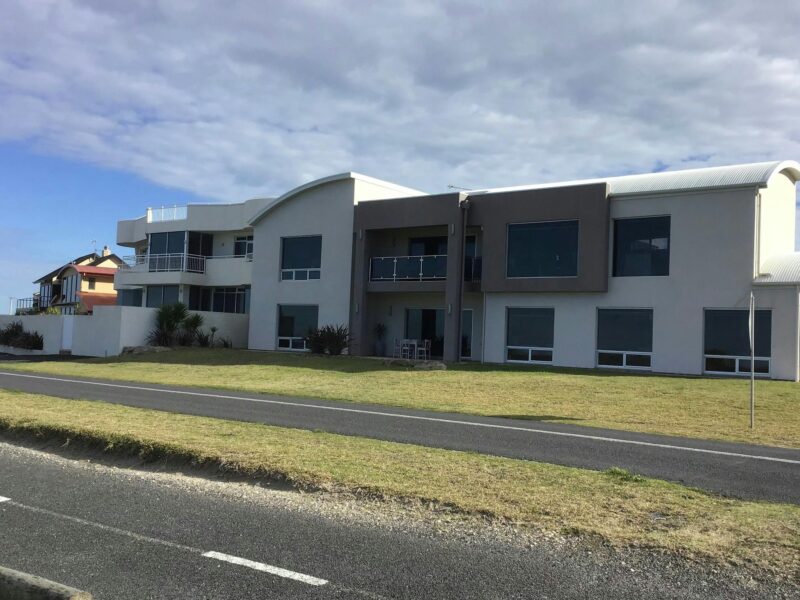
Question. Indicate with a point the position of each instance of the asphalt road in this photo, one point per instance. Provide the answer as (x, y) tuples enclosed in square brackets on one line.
[(121, 534), (737, 470)]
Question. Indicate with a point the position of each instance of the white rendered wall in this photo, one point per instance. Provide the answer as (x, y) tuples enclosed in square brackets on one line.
[(326, 210), (777, 218), (711, 258), (50, 327)]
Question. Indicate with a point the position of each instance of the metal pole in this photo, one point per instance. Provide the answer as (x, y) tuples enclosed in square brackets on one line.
[(752, 362)]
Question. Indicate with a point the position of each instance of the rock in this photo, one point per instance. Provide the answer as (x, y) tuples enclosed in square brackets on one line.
[(430, 365), (144, 349)]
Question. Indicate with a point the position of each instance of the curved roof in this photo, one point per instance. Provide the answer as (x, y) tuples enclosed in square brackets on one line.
[(744, 175), (780, 270), (401, 190)]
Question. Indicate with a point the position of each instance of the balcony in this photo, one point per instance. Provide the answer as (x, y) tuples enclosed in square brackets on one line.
[(26, 306), (408, 268), (162, 263)]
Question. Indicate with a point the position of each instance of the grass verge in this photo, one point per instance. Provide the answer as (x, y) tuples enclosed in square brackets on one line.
[(620, 508), (685, 406)]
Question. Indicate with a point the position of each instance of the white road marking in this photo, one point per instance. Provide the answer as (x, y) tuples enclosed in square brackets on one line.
[(596, 438), (285, 573), (258, 566)]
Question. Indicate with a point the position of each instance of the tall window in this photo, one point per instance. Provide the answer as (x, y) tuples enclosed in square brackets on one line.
[(243, 246), (294, 323), (201, 244), (624, 337), (170, 242), (301, 257), (92, 283), (641, 246), (547, 249), (529, 335), (159, 295), (727, 341)]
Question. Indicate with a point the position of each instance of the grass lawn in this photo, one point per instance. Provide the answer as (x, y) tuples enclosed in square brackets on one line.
[(621, 508), (687, 406)]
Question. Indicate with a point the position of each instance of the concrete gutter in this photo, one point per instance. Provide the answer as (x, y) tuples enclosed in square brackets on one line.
[(15, 585)]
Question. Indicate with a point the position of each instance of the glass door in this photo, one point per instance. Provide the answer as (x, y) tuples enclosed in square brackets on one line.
[(427, 324)]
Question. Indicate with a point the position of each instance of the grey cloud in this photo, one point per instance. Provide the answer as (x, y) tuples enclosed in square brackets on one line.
[(246, 98)]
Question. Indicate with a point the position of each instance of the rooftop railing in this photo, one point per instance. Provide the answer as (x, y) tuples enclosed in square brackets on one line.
[(167, 213)]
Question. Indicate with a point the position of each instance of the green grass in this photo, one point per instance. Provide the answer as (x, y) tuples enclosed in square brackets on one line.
[(621, 508), (686, 406)]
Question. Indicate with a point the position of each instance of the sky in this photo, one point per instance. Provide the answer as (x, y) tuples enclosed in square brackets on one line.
[(108, 107)]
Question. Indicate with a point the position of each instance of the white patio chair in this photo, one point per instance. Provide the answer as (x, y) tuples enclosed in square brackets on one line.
[(424, 350)]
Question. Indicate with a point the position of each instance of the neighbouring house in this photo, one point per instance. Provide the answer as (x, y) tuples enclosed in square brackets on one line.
[(650, 272), (76, 287)]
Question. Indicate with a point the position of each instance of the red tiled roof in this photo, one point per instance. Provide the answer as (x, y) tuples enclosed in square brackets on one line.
[(91, 299), (84, 270)]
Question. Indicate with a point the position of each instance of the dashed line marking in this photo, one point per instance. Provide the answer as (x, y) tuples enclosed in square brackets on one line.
[(259, 566)]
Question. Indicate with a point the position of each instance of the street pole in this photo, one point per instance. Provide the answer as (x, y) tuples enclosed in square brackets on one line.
[(752, 323)]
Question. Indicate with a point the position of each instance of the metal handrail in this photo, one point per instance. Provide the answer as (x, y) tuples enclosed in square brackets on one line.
[(418, 275), (160, 263)]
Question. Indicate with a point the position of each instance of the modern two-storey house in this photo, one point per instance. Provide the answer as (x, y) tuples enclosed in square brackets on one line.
[(646, 272)]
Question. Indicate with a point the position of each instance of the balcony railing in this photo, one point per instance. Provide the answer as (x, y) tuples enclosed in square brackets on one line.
[(27, 305), (161, 263), (420, 268), (408, 268), (167, 213)]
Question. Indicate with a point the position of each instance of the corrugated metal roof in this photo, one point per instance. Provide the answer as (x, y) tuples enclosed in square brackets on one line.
[(745, 175), (780, 270)]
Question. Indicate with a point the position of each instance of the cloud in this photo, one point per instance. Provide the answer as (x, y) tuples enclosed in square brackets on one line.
[(238, 99)]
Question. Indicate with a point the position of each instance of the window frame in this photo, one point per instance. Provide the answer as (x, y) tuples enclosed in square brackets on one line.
[(738, 360), (301, 273), (531, 349), (624, 354), (294, 343), (577, 250), (614, 245)]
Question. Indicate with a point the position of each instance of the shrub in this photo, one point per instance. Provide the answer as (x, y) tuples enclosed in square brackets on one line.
[(14, 335), (174, 325), (336, 337), (315, 341), (189, 328), (204, 339), (332, 339)]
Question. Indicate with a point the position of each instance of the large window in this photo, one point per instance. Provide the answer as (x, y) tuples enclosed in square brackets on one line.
[(170, 242), (243, 246), (159, 295), (231, 299), (727, 341), (529, 335), (129, 297), (294, 323), (201, 244), (301, 257), (641, 246), (543, 249), (624, 337)]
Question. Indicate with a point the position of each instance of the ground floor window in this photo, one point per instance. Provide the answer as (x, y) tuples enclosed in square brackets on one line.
[(625, 337), (426, 324), (294, 323), (466, 333), (727, 341), (222, 299), (129, 297), (529, 335), (159, 295)]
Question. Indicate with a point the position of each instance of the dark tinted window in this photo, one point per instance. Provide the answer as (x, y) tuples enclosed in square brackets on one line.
[(427, 246), (301, 252), (199, 298), (158, 295), (201, 244), (129, 297), (167, 243), (727, 332), (530, 327), (626, 330), (641, 246), (296, 320), (543, 249)]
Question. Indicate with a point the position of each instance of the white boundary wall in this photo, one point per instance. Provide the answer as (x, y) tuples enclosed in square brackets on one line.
[(111, 328)]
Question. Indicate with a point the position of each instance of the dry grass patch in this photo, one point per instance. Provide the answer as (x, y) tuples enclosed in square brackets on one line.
[(686, 406), (621, 508)]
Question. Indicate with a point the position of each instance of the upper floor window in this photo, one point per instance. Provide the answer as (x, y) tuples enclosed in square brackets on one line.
[(548, 249), (201, 244), (301, 257), (168, 242), (243, 246), (92, 283), (427, 246), (641, 246)]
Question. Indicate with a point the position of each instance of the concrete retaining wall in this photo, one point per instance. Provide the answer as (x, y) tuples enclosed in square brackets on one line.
[(111, 328)]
